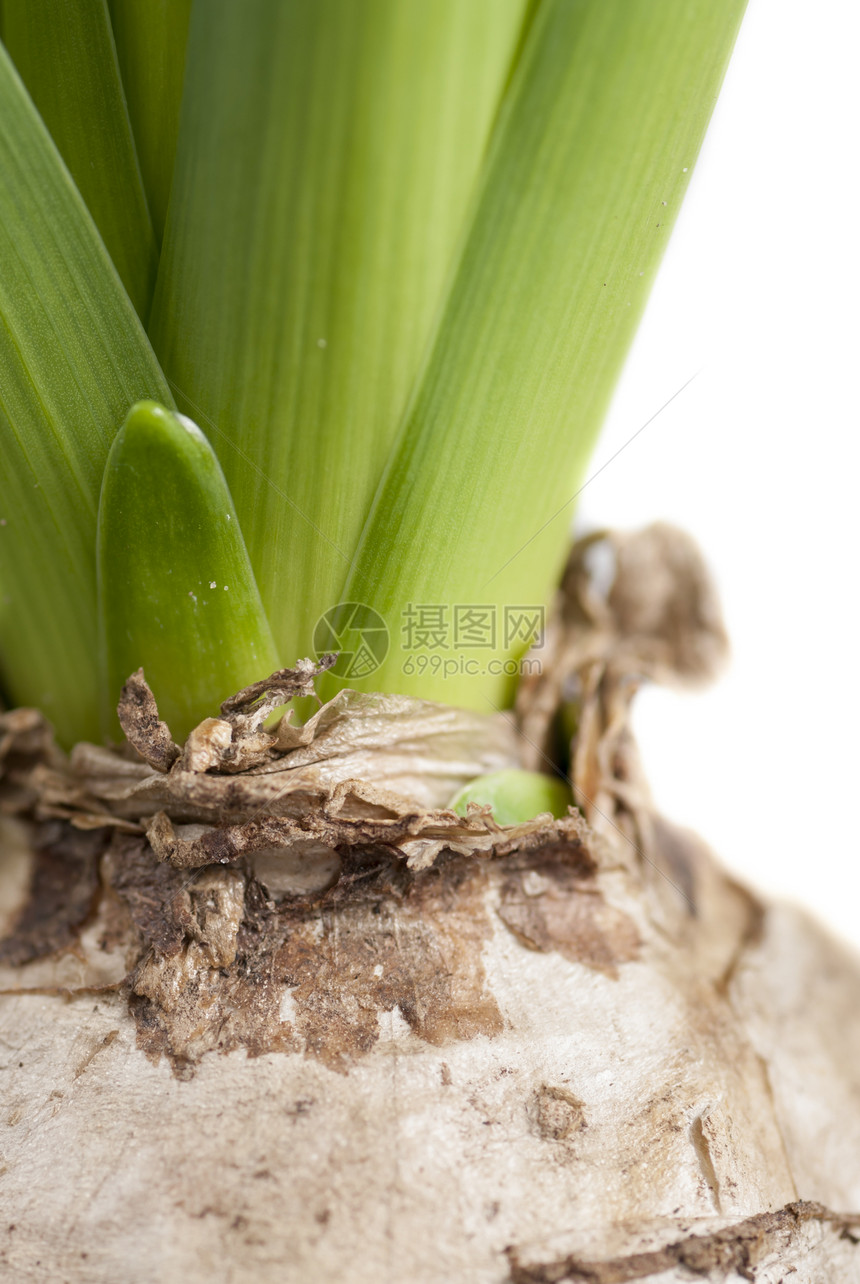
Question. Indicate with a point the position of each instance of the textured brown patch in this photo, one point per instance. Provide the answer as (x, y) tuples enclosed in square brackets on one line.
[(557, 1113), (382, 938), (551, 906), (736, 1249), (216, 964), (315, 973), (155, 897), (62, 893), (417, 949), (191, 1001)]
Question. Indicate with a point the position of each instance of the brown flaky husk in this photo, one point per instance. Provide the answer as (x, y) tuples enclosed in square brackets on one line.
[(271, 1013)]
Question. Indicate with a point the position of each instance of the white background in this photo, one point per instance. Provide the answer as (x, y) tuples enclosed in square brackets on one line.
[(759, 458)]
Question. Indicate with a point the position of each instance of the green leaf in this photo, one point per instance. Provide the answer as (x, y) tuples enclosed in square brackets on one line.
[(176, 591), (326, 161), (515, 796), (73, 358), (151, 36), (65, 55), (590, 160)]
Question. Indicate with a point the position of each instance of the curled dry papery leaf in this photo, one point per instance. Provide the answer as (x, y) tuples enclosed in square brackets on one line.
[(577, 1047), (364, 769), (632, 608)]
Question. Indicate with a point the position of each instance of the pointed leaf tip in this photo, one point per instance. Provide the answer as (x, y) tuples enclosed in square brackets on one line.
[(176, 591)]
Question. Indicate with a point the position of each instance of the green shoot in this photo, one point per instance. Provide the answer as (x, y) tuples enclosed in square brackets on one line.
[(177, 595), (515, 796)]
